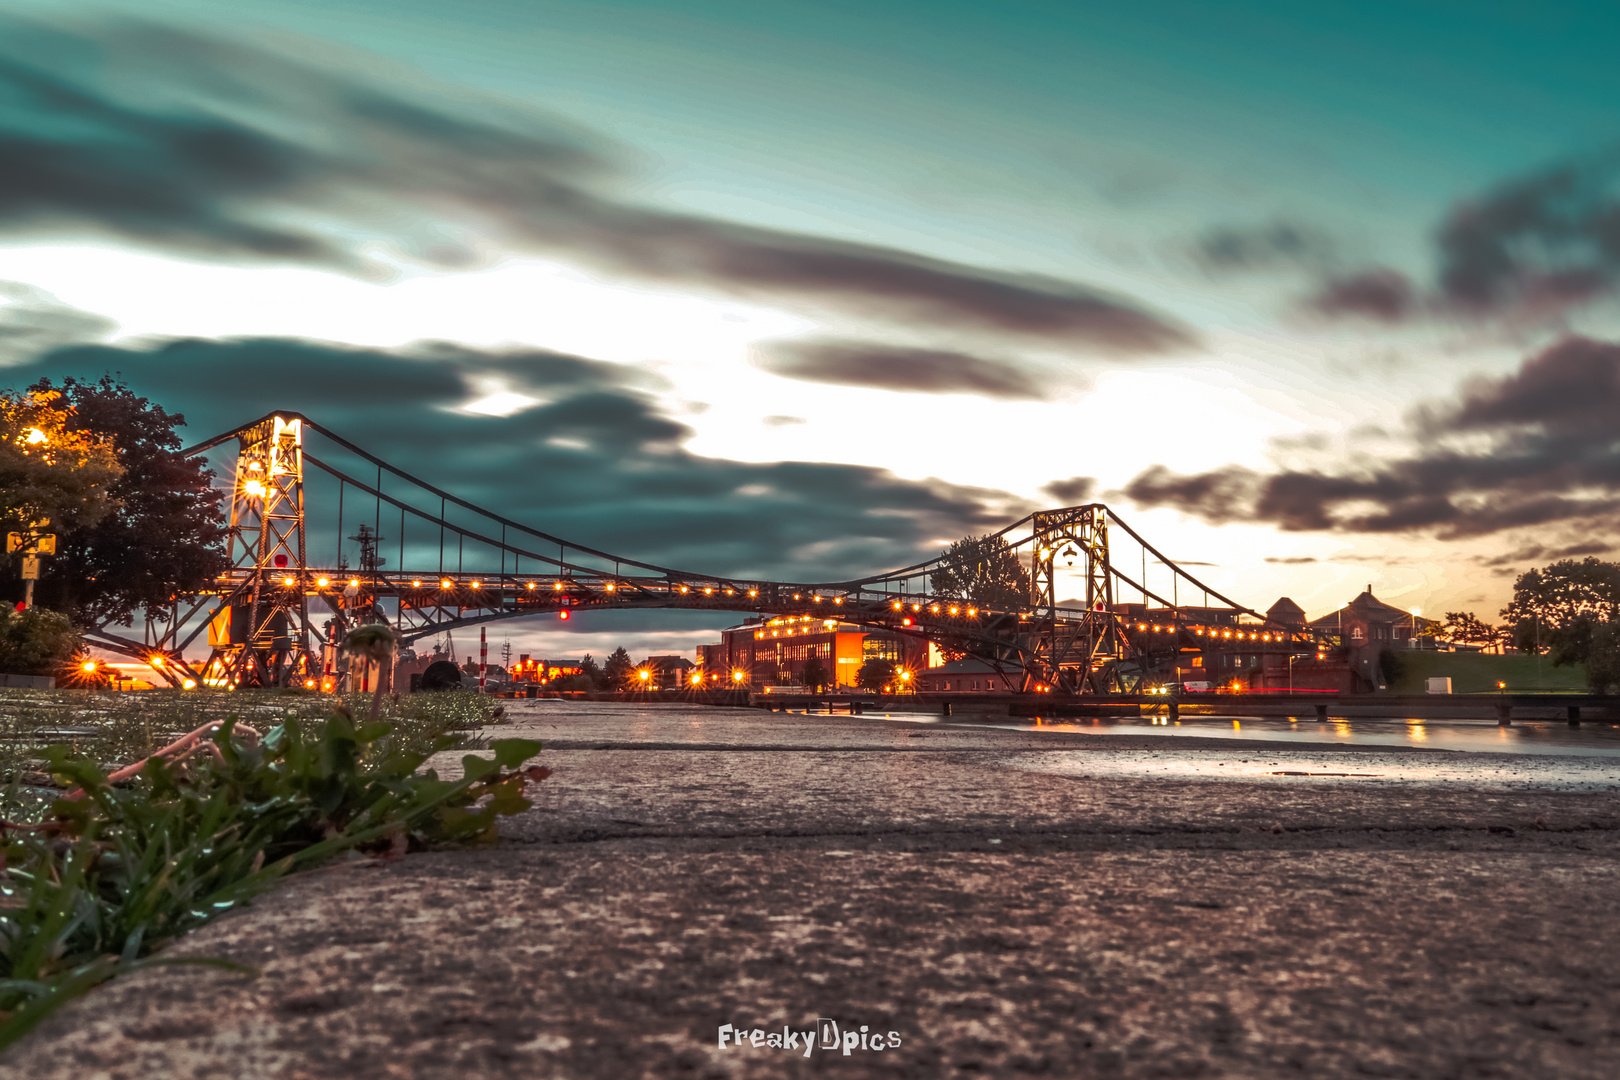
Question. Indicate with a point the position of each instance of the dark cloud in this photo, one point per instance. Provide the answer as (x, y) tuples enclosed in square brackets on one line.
[(1552, 238), (201, 146), (1384, 295), (1532, 247), (1541, 552), (32, 321), (1292, 560), (1550, 457), (1071, 492), (598, 462), (890, 367), (1271, 246)]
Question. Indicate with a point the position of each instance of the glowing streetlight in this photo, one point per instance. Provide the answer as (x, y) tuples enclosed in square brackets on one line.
[(35, 437), (737, 676), (254, 488), (697, 678)]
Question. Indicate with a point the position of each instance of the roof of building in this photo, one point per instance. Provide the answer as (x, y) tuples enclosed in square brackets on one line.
[(968, 665), (1367, 608), (1287, 612)]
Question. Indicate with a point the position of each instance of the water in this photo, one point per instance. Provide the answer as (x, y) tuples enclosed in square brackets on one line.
[(1553, 737)]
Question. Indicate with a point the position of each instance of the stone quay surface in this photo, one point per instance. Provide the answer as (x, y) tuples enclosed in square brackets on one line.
[(687, 869)]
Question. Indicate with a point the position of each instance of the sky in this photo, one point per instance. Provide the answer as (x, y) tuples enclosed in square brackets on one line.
[(1315, 296)]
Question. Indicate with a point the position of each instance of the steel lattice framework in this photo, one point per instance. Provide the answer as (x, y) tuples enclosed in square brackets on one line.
[(258, 611)]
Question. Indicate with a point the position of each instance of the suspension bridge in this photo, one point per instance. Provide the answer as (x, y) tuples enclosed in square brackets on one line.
[(273, 617)]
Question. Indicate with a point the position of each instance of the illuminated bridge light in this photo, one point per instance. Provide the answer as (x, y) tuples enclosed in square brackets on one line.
[(476, 585), (838, 600), (753, 592), (795, 596), (897, 605), (934, 608), (531, 585), (556, 585), (355, 582), (954, 610), (610, 586), (916, 607), (817, 599), (708, 591), (445, 584), (973, 611), (287, 582), (416, 584), (322, 582), (685, 589)]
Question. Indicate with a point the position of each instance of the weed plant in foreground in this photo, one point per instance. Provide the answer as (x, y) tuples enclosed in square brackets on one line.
[(96, 879)]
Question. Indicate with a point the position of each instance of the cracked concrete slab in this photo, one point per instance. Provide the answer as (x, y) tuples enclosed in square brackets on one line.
[(714, 867)]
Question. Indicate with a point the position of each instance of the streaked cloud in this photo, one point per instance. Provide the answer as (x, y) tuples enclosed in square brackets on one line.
[(1536, 448), (898, 368), (199, 146)]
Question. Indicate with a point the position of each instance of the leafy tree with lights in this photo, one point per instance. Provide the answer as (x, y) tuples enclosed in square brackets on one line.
[(983, 571), (875, 674), (161, 531), (1571, 611), (51, 469)]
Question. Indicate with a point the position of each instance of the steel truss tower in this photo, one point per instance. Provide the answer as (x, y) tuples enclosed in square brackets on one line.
[(1072, 654), (260, 635)]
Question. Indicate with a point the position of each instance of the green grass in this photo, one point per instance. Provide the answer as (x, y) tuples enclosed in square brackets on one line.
[(95, 885), (1478, 673)]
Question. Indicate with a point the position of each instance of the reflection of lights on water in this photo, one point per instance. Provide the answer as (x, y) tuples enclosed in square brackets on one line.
[(1416, 731), (1236, 726)]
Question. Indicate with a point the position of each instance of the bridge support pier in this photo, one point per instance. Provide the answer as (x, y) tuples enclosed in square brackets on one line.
[(1175, 711), (944, 708), (1321, 713), (1504, 714), (1574, 714)]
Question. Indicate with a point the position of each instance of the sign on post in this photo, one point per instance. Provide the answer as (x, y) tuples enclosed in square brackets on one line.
[(30, 568)]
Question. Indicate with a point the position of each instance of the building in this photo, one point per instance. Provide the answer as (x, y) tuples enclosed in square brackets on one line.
[(773, 651), (1367, 621), (667, 672), (968, 675)]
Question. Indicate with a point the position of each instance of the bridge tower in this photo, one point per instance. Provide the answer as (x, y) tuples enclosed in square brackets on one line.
[(260, 635), (1072, 654)]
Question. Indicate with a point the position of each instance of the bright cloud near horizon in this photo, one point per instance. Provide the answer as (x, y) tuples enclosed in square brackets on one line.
[(1320, 297)]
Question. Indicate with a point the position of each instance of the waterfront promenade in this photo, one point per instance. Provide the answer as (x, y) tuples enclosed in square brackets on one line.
[(1000, 899)]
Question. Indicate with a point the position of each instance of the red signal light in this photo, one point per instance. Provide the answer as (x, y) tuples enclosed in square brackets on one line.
[(563, 614)]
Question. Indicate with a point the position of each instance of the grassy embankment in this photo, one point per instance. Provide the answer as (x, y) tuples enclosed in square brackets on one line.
[(1478, 673)]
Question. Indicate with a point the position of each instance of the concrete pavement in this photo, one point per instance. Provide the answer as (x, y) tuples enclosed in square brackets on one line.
[(688, 869)]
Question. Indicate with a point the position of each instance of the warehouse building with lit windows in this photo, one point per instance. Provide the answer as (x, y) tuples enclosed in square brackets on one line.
[(772, 652)]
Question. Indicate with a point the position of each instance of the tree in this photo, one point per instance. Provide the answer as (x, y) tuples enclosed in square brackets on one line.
[(49, 468), (1603, 659), (984, 571), (1464, 628), (36, 641), (815, 676), (619, 671), (163, 535), (1556, 609), (591, 672), (875, 674)]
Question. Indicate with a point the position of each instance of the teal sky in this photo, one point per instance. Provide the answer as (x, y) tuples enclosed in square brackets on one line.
[(1245, 270)]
